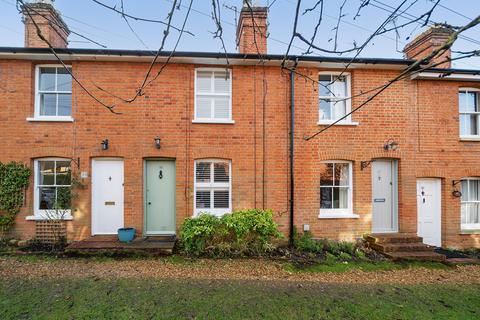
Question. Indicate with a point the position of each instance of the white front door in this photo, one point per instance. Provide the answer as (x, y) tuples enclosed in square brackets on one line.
[(384, 197), (429, 208), (107, 196)]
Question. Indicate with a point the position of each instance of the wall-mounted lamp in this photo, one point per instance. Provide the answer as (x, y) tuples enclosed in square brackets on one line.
[(104, 144), (391, 145), (455, 192), (157, 142)]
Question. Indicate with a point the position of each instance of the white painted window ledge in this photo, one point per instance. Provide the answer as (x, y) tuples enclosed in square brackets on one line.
[(51, 119), (341, 123), (67, 217), (213, 121), (331, 215), (469, 138)]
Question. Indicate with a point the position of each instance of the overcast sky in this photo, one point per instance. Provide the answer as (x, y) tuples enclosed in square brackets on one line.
[(108, 28)]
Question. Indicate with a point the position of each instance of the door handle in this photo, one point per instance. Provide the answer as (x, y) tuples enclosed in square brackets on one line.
[(149, 203)]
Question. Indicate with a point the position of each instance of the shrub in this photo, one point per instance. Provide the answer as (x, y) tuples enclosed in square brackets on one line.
[(342, 250), (248, 232)]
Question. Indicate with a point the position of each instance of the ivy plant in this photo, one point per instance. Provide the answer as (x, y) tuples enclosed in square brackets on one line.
[(14, 178)]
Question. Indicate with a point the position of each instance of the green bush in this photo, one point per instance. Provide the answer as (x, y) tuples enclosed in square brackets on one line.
[(248, 232), (342, 250)]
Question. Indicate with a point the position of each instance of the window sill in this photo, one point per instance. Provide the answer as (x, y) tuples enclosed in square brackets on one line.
[(341, 123), (67, 217), (332, 215), (50, 119), (206, 121), (469, 138)]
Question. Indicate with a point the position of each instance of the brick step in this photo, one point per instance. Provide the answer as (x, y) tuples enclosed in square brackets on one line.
[(394, 238), (418, 255), (397, 247)]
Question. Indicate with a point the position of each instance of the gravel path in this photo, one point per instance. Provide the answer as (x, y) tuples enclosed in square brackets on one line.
[(11, 267)]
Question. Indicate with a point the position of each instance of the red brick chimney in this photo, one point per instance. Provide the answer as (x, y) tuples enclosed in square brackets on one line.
[(426, 42), (252, 33), (48, 20)]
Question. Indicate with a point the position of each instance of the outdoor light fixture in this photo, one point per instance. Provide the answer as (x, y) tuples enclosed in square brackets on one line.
[(104, 144), (455, 192), (157, 142), (391, 145)]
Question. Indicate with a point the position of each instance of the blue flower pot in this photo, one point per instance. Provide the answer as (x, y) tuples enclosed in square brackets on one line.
[(126, 234)]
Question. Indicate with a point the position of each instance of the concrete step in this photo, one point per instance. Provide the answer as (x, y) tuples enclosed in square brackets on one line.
[(394, 238), (418, 255), (397, 247)]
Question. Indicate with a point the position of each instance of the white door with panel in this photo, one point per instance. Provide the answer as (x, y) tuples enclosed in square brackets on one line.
[(429, 211), (107, 196), (384, 196)]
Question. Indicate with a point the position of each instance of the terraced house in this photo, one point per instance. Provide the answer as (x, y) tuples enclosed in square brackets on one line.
[(216, 133)]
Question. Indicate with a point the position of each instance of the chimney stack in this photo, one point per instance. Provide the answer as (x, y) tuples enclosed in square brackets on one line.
[(252, 33), (428, 41), (51, 25)]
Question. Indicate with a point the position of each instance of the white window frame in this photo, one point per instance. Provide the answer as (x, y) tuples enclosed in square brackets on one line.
[(42, 214), (348, 99), (37, 116), (228, 120), (212, 186), (468, 226), (339, 213), (470, 136)]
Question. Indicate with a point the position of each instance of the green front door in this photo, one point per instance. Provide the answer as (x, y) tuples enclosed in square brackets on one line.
[(159, 197)]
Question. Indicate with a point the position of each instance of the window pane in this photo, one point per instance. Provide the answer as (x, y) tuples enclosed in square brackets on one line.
[(46, 198), (204, 81), (48, 104), (326, 198), (470, 213), (473, 191), (220, 172), (340, 198), (325, 112), (47, 79), (341, 174), (64, 198), (204, 107), (222, 108), (470, 101), (324, 87), (326, 174), (202, 200), (203, 172), (339, 109), (462, 101), (222, 82), (464, 190), (64, 104), (340, 86), (468, 124), (64, 80), (221, 199), (63, 173), (46, 173)]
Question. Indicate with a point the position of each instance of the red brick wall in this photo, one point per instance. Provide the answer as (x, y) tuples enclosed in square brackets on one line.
[(166, 111), (422, 116)]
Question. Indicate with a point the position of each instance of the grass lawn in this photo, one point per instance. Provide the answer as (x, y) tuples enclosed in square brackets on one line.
[(338, 266), (91, 298)]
